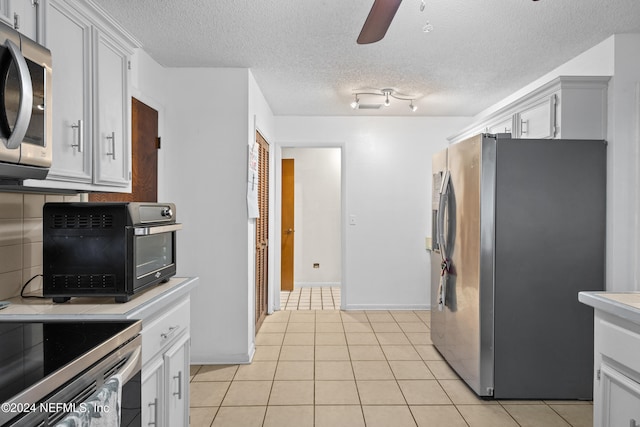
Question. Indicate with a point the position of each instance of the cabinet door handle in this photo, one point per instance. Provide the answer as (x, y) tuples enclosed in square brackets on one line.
[(80, 144), (112, 137), (155, 412), (179, 378), (172, 330), (522, 124)]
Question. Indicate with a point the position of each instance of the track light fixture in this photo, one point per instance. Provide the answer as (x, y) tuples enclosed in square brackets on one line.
[(387, 93)]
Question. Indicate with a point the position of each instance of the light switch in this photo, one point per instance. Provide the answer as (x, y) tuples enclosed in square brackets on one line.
[(352, 220)]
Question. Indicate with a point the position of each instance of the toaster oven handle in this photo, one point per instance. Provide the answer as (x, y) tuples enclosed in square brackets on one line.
[(146, 231), (26, 98)]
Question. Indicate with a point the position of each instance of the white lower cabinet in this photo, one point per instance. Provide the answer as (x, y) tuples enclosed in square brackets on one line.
[(616, 401), (165, 367)]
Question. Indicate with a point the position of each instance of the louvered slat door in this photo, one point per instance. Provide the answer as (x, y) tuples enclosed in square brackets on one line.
[(262, 230)]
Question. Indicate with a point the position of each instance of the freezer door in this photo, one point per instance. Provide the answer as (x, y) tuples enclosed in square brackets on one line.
[(464, 336)]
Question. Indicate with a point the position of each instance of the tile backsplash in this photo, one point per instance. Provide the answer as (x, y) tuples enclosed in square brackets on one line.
[(21, 240)]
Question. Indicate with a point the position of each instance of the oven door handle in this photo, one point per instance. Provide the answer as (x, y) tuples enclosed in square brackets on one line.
[(132, 367), (158, 229), (26, 98)]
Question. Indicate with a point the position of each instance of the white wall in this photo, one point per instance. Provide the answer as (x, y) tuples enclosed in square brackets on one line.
[(317, 216), (387, 166)]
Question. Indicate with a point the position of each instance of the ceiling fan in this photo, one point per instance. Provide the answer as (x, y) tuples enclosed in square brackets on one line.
[(378, 21)]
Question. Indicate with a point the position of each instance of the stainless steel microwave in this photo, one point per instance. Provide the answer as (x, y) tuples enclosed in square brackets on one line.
[(107, 249), (25, 107)]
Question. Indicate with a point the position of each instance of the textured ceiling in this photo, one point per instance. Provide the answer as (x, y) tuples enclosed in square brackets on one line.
[(304, 55)]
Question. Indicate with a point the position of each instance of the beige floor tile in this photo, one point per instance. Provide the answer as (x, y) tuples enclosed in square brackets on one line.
[(301, 327), (289, 416), (361, 338), (302, 317), (246, 416), (270, 339), (330, 338), (400, 352), (380, 316), (257, 371), (461, 394), (193, 369), (385, 327), (486, 416), (372, 370), (329, 317), (419, 338), (441, 370), (273, 327), (366, 352), (352, 317), (385, 416), (428, 352), (436, 416), (392, 338), (410, 370), (201, 417), (216, 373), (332, 352), (294, 370), (298, 338), (413, 327), (278, 316), (329, 327), (380, 393), (267, 352), (535, 416), (333, 370), (297, 352), (339, 416), (247, 393), (291, 393), (357, 327), (336, 393), (405, 316), (207, 393), (423, 392), (578, 415)]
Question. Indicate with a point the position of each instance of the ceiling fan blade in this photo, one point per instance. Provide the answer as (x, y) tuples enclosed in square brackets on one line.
[(378, 21)]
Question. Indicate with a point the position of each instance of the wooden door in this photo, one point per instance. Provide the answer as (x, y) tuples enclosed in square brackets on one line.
[(262, 230), (144, 158), (286, 249)]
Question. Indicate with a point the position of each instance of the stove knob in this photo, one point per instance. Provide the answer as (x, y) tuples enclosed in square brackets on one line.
[(167, 212)]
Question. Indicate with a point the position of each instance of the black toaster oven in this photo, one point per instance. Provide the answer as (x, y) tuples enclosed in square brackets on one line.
[(107, 249)]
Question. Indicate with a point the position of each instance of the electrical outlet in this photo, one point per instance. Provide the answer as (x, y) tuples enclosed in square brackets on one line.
[(316, 265)]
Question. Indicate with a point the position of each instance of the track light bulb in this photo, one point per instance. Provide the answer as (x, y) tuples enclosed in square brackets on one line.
[(386, 101), (413, 107), (356, 103)]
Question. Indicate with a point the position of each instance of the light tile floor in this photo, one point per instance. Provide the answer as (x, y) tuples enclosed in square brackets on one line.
[(311, 298), (369, 368)]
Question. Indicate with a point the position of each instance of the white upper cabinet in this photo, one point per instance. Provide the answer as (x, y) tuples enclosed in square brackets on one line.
[(91, 99), (24, 16), (573, 107)]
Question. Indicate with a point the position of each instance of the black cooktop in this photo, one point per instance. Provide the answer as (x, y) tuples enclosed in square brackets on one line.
[(30, 351)]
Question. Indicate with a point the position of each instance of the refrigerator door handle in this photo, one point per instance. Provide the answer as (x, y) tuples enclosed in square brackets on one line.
[(445, 265)]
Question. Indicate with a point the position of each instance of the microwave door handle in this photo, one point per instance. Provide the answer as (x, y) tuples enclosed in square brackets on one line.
[(26, 98), (146, 231)]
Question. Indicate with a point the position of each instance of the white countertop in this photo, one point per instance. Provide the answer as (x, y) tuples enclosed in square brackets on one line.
[(104, 308), (622, 304)]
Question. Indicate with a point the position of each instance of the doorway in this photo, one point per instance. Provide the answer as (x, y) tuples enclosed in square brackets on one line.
[(311, 228)]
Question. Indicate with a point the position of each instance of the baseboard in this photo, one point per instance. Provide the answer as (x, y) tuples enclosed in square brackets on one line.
[(316, 284), (240, 359), (398, 307)]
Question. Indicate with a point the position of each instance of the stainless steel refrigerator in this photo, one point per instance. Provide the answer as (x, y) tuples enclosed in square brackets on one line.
[(518, 231)]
